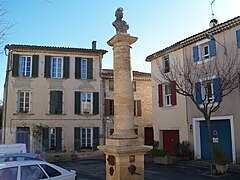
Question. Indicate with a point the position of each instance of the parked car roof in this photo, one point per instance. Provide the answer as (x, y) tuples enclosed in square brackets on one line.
[(20, 157)]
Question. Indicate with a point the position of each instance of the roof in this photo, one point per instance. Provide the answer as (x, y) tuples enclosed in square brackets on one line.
[(18, 47), (197, 37), (108, 74)]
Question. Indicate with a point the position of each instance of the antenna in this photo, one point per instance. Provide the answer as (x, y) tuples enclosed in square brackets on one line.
[(212, 8)]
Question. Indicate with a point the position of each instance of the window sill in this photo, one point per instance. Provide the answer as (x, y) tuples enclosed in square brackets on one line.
[(168, 107), (23, 114), (55, 114), (87, 80), (201, 61), (209, 105)]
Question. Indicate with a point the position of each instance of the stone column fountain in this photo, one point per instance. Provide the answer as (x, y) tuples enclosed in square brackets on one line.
[(124, 151)]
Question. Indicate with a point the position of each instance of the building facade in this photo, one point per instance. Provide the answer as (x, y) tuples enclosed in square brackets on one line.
[(218, 44), (52, 98), (142, 104)]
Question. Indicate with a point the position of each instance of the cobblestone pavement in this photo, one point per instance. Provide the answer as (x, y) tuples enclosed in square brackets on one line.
[(94, 169)]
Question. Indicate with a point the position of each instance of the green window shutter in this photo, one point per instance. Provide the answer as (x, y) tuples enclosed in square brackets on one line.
[(58, 138), (95, 137), (77, 107), (52, 102), (77, 138), (45, 139), (35, 62), (66, 67), (96, 103), (77, 68), (15, 68), (47, 67), (89, 68), (59, 102)]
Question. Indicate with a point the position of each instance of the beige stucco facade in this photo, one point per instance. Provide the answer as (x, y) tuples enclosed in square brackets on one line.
[(185, 114), (40, 87)]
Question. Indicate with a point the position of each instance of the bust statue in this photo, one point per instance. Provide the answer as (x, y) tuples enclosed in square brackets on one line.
[(120, 25)]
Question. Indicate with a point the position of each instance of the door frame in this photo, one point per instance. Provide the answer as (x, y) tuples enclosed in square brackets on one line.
[(197, 138)]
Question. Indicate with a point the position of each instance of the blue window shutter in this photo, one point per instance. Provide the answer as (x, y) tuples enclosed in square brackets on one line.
[(212, 47), (238, 37), (217, 90), (198, 93), (195, 53)]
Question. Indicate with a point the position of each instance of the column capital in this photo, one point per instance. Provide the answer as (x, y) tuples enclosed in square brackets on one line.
[(122, 38)]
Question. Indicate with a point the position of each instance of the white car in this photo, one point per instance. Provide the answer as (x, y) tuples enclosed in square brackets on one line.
[(33, 170)]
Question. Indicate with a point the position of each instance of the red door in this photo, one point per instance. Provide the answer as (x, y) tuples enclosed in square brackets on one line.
[(170, 138)]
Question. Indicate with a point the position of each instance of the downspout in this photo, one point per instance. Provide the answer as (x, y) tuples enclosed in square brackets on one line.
[(6, 96)]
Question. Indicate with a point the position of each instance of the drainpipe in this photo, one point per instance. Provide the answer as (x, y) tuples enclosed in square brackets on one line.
[(5, 96)]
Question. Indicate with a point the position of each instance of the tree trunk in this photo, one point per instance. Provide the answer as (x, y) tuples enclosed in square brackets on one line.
[(207, 118)]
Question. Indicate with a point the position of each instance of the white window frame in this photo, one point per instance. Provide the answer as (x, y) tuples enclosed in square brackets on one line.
[(52, 137), (58, 69), (23, 66), (84, 104), (167, 95), (166, 59), (86, 137), (24, 101), (203, 90), (202, 57), (84, 69)]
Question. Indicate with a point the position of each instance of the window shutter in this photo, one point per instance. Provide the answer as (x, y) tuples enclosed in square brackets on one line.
[(139, 108), (95, 103), (52, 102), (35, 61), (89, 68), (217, 90), (95, 137), (77, 107), (198, 93), (160, 95), (238, 37), (15, 71), (173, 93), (47, 67), (107, 107), (212, 47), (59, 102), (45, 139), (195, 53), (58, 138), (66, 67), (77, 138), (77, 68)]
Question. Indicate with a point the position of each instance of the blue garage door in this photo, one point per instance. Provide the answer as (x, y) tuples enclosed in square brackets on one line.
[(222, 134)]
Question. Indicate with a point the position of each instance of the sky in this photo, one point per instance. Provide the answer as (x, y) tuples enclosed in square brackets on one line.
[(76, 23)]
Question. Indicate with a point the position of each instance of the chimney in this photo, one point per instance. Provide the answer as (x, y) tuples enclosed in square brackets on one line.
[(94, 44)]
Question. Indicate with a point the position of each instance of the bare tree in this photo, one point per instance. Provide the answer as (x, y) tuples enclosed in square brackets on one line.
[(205, 82)]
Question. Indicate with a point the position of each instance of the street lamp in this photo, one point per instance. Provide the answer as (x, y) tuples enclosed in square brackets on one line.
[(210, 36)]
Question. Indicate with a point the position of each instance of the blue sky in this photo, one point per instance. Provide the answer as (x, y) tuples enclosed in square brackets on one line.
[(76, 23)]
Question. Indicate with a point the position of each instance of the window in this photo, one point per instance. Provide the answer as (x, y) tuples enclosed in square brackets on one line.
[(24, 101), (56, 102), (33, 171), (9, 173), (111, 85), (167, 94), (238, 38), (86, 138), (204, 49), (109, 107), (56, 67), (137, 108), (25, 66), (83, 68), (134, 86), (208, 91), (50, 171), (166, 64), (86, 103), (52, 138)]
